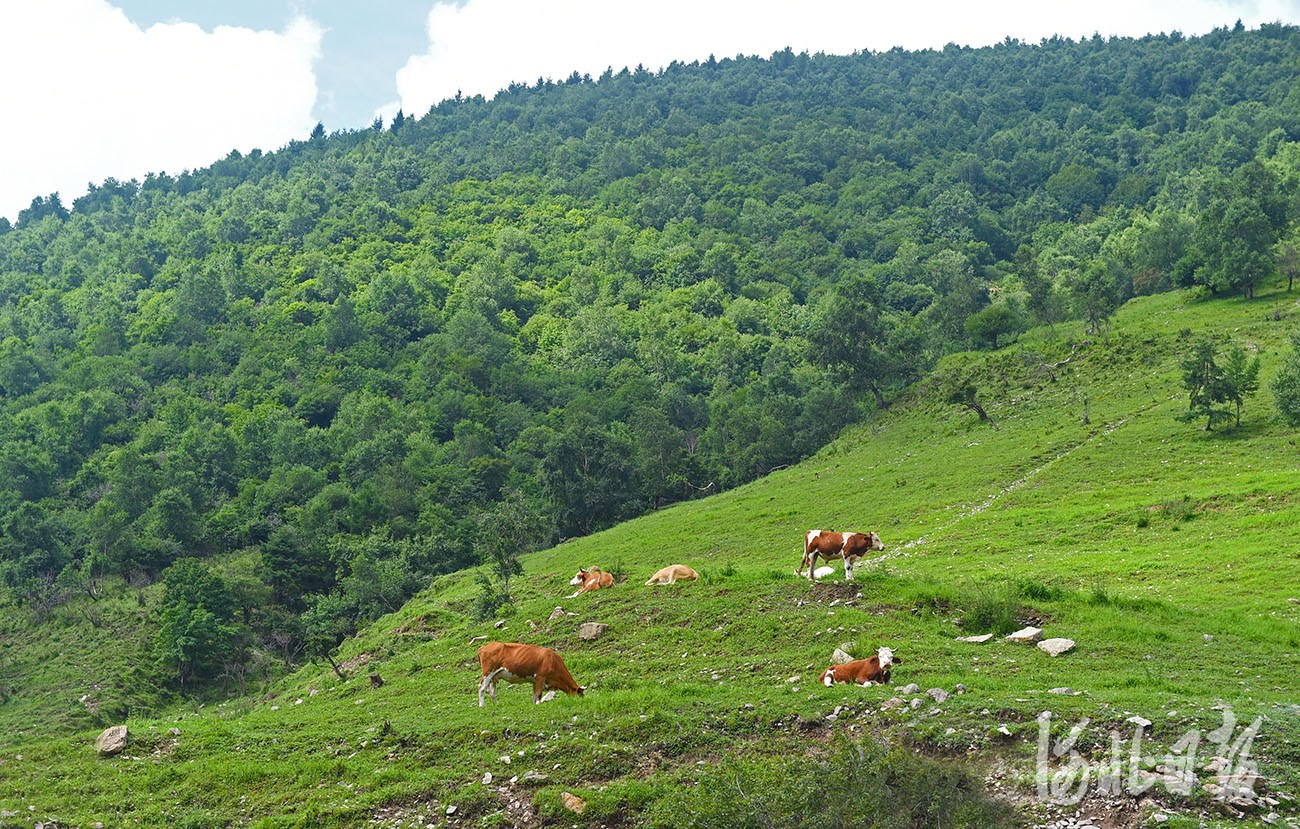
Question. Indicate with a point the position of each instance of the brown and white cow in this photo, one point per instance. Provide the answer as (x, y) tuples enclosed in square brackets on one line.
[(674, 573), (830, 546), (517, 663), (591, 579), (870, 671)]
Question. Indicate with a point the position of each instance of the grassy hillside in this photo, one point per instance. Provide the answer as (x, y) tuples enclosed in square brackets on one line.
[(1133, 534)]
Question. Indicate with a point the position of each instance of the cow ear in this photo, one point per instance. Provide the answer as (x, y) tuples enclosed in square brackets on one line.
[(896, 660)]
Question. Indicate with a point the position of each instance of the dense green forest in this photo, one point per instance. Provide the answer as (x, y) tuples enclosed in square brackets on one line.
[(294, 385)]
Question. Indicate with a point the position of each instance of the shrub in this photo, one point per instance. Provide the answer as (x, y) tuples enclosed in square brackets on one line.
[(992, 611)]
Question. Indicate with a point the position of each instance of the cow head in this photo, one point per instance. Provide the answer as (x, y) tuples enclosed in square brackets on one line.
[(876, 543), (886, 657), (828, 677), (580, 578)]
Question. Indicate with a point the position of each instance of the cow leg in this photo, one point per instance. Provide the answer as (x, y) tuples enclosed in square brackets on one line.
[(539, 688), (848, 568), (489, 684), (812, 566)]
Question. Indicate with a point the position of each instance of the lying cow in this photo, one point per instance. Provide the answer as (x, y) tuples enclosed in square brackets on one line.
[(674, 573), (517, 663), (874, 670), (830, 546), (592, 579)]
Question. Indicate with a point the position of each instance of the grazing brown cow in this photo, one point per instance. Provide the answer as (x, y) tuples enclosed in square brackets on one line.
[(870, 671), (592, 579), (674, 573), (516, 663), (830, 546)]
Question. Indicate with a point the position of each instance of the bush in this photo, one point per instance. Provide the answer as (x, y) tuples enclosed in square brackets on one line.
[(992, 611)]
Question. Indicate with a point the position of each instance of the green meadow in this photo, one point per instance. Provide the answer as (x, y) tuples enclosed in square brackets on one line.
[(1170, 555)]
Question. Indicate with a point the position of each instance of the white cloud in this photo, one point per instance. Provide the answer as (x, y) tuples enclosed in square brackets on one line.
[(481, 46), (87, 94)]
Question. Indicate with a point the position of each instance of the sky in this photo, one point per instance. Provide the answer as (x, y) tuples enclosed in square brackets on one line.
[(91, 89)]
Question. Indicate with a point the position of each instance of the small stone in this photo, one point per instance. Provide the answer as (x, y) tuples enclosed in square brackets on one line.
[(983, 637), (451, 810), (111, 740), (547, 697), (477, 639), (1142, 722), (534, 777), (1026, 636), (910, 688), (937, 694), (893, 702), (1160, 817), (557, 613), (532, 625), (959, 689), (1062, 690), (573, 803), (487, 777), (1056, 647), (1208, 638), (592, 630), (505, 758), (174, 731), (499, 623), (794, 678), (839, 657), (1003, 730), (915, 703)]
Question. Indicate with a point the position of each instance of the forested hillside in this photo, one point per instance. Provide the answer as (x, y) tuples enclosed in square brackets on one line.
[(318, 376)]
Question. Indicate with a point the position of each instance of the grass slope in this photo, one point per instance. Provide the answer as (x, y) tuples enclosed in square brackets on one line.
[(1133, 534)]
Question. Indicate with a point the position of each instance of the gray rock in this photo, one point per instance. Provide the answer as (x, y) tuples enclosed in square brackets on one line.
[(983, 637), (111, 740), (592, 630), (1062, 690), (487, 777), (839, 657), (499, 623), (893, 702), (959, 688), (937, 694), (1140, 721), (1026, 636), (910, 688), (1056, 647), (915, 703), (557, 613), (534, 777), (547, 697)]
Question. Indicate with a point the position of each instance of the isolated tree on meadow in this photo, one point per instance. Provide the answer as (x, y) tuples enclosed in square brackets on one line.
[(1204, 381), (966, 395), (992, 322), (1240, 377)]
